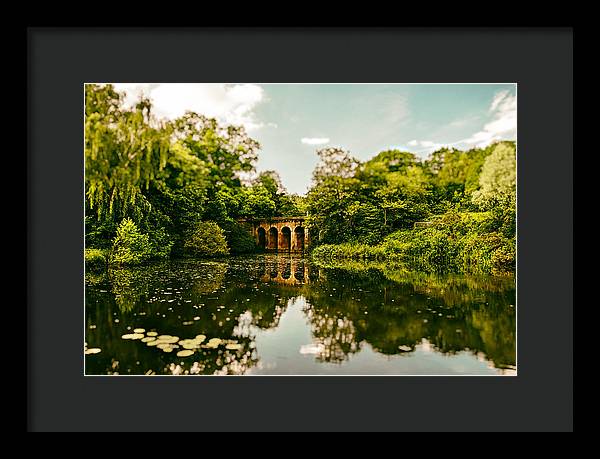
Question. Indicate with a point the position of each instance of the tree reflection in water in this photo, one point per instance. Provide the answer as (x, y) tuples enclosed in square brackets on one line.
[(384, 307)]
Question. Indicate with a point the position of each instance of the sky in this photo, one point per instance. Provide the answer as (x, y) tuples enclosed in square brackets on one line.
[(293, 121)]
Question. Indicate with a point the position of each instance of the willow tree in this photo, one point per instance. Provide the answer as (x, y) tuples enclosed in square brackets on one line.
[(124, 150)]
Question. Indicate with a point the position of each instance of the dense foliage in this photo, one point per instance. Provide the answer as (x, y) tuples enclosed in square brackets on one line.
[(455, 211), (207, 239), (149, 183), (153, 186)]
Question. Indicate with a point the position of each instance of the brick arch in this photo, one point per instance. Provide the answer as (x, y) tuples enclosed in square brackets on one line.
[(275, 239)]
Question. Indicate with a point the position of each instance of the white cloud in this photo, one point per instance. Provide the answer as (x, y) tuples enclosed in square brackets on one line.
[(314, 140), (503, 124), (229, 103)]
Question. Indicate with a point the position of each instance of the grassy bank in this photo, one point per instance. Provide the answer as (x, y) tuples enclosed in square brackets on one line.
[(462, 243)]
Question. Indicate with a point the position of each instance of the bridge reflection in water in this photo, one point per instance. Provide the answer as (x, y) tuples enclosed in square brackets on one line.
[(287, 271)]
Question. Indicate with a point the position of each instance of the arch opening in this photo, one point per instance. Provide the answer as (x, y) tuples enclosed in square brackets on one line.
[(286, 239), (273, 239), (299, 236), (262, 238)]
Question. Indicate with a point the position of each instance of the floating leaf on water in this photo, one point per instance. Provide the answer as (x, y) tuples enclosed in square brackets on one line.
[(132, 336), (215, 341), (153, 342), (152, 334), (168, 338), (185, 353), (148, 338), (139, 330), (200, 338), (93, 350), (167, 349), (233, 347)]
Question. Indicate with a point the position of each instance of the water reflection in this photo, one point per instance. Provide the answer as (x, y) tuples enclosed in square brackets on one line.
[(284, 315), (288, 270)]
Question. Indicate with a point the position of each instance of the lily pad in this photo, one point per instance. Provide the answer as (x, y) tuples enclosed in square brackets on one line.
[(152, 334), (168, 339), (148, 339), (139, 330), (185, 353), (93, 350), (132, 336)]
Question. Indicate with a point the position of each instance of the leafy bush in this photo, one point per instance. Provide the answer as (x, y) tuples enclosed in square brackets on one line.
[(476, 251), (352, 251), (130, 246), (95, 259), (206, 240), (161, 243), (503, 260), (239, 239), (455, 242)]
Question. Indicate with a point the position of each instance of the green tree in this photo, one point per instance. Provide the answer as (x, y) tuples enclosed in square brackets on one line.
[(130, 246), (207, 239), (124, 150), (498, 179), (257, 202)]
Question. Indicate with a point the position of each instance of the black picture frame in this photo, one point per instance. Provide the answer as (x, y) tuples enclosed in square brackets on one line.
[(61, 60)]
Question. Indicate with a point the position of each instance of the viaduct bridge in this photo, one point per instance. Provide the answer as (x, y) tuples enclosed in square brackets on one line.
[(283, 234)]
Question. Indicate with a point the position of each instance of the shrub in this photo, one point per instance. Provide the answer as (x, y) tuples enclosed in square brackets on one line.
[(239, 239), (95, 259), (476, 251), (130, 246), (503, 260), (431, 250), (207, 239), (349, 250), (456, 242), (161, 244)]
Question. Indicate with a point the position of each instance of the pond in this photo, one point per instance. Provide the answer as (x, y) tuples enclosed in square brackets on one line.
[(285, 315)]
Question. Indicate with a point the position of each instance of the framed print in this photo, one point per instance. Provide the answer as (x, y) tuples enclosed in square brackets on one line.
[(319, 220)]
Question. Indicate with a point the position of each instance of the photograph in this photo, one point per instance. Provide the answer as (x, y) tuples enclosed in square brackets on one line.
[(299, 229)]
